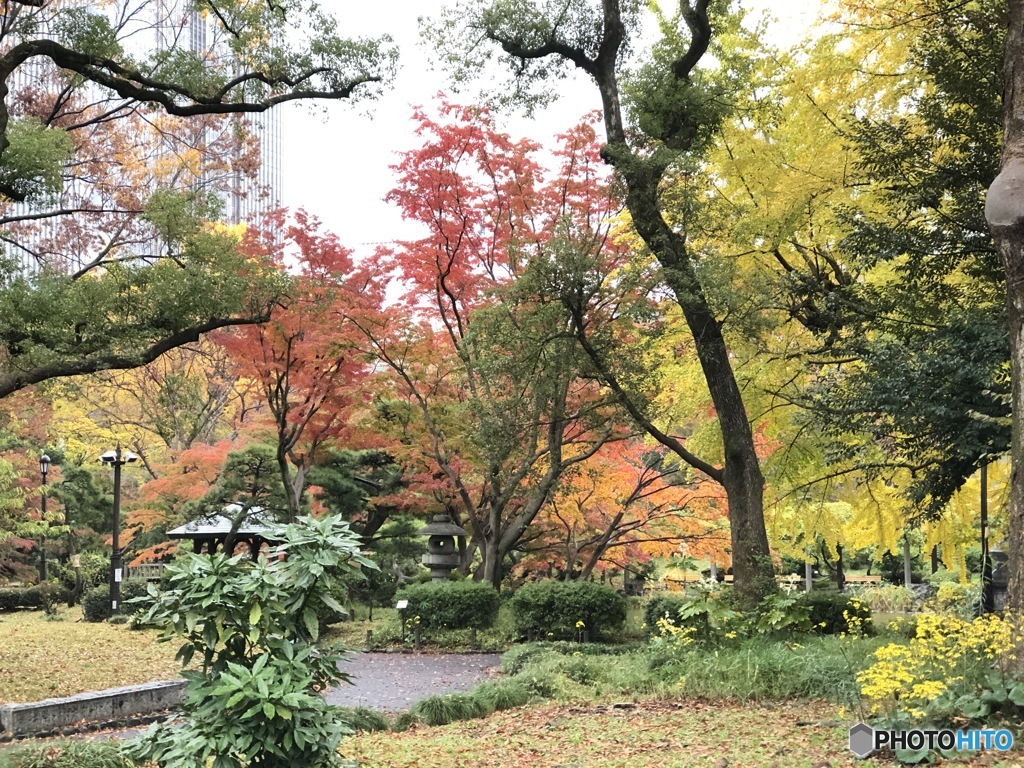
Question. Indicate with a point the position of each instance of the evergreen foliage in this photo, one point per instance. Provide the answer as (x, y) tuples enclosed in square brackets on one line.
[(256, 696), (451, 604), (563, 610)]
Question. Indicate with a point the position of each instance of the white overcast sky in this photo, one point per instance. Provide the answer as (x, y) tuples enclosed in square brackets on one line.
[(337, 157)]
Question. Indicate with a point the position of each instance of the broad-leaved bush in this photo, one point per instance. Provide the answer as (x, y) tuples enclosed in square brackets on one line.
[(255, 698)]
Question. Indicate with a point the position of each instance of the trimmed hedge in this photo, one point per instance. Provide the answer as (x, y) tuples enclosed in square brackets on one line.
[(827, 612), (451, 604), (135, 597), (553, 608), (96, 604), (38, 598)]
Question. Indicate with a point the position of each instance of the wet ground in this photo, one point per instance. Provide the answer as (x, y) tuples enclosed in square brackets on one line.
[(390, 682), (393, 682)]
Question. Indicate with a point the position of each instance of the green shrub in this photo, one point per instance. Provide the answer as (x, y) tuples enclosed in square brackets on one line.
[(953, 596), (660, 605), (254, 625), (563, 609), (503, 694), (96, 604), (441, 710), (330, 615), (41, 597), (95, 570), (135, 595), (451, 604), (830, 612), (362, 719), (67, 754)]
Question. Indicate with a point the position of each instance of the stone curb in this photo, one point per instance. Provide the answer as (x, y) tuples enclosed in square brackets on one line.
[(93, 710)]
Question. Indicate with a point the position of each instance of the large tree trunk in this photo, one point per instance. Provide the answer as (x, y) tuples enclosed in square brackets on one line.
[(1004, 210), (741, 474)]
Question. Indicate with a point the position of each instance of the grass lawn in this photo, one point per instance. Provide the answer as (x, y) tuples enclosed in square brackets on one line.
[(44, 657), (668, 733)]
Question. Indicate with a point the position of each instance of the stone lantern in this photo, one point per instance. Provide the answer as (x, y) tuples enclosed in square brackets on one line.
[(442, 555)]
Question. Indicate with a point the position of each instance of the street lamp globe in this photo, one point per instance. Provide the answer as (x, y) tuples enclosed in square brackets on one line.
[(44, 465)]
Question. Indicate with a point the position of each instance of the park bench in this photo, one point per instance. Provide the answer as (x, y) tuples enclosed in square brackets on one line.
[(864, 579), (791, 579), (147, 571), (676, 583)]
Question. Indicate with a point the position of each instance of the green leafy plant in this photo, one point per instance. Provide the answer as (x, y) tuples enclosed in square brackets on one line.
[(451, 604), (782, 612), (256, 699), (660, 607), (888, 598), (554, 608)]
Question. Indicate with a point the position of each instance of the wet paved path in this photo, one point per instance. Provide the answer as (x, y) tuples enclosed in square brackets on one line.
[(393, 682)]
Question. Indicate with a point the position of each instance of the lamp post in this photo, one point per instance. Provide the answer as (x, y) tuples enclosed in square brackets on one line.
[(116, 459), (44, 467), (987, 596)]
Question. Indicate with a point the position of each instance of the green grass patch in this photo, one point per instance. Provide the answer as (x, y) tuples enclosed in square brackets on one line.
[(66, 754), (363, 719), (816, 667), (441, 710)]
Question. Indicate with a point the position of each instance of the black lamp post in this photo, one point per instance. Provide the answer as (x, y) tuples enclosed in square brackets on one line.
[(988, 604), (44, 467), (116, 459)]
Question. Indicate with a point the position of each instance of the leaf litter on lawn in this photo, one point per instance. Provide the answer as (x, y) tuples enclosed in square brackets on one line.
[(673, 733), (42, 658)]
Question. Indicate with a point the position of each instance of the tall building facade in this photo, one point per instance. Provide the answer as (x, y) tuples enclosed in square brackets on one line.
[(124, 151)]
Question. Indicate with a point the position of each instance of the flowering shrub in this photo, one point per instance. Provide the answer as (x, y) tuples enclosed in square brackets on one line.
[(941, 670), (835, 613), (673, 637)]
